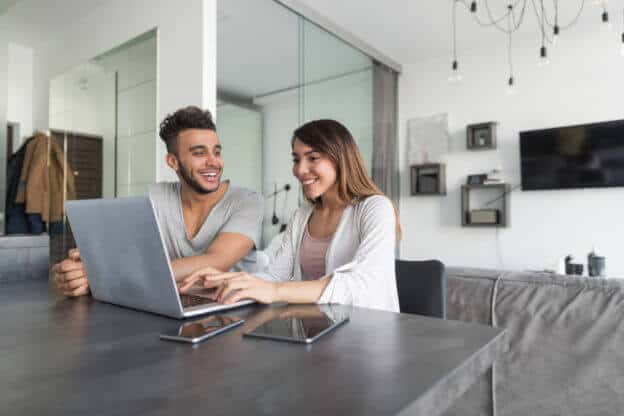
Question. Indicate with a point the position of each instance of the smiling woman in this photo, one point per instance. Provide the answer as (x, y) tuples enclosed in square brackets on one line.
[(338, 248)]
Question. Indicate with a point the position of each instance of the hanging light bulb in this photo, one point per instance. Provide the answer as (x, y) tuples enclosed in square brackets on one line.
[(473, 6), (543, 59), (555, 38), (605, 19), (455, 74), (511, 85)]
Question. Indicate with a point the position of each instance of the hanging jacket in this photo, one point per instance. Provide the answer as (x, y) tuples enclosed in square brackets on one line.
[(41, 179), (14, 170)]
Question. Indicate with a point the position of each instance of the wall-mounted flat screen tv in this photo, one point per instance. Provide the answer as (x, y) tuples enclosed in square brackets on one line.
[(582, 156)]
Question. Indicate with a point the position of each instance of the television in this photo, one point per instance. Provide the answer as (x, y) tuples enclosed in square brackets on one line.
[(581, 156)]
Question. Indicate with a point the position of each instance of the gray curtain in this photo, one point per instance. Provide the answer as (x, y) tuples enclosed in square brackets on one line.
[(385, 156)]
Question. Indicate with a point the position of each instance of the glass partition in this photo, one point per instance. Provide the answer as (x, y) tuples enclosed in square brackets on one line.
[(337, 83), (298, 72), (102, 114), (258, 91)]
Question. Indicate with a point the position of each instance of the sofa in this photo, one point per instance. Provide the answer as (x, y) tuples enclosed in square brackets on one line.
[(566, 342)]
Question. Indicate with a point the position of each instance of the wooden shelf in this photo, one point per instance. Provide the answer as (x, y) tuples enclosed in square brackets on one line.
[(499, 205), (481, 136), (428, 179)]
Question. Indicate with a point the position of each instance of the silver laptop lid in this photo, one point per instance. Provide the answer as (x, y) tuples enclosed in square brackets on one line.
[(124, 255)]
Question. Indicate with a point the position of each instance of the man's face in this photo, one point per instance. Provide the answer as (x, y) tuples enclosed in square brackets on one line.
[(198, 161)]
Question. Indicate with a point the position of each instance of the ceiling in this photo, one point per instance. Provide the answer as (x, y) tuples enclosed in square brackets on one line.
[(409, 31), (258, 40), (30, 22), (257, 47)]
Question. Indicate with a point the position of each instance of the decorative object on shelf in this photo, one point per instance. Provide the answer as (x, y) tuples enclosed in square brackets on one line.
[(427, 138), (497, 216), (573, 268), (510, 18), (484, 216), (481, 136), (596, 264), (493, 176), (476, 179), (428, 179)]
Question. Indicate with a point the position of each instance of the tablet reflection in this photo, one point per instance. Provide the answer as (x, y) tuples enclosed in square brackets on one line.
[(297, 322), (204, 326)]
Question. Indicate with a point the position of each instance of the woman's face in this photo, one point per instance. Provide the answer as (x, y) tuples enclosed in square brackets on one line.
[(313, 169)]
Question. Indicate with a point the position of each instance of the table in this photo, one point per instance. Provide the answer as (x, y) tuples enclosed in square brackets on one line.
[(81, 356)]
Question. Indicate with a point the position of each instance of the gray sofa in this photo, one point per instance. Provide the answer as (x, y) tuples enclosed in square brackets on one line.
[(566, 342)]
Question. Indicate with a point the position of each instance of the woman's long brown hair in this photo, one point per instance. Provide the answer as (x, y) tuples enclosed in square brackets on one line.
[(334, 140)]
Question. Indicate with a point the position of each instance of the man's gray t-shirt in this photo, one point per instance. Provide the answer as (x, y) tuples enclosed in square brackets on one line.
[(239, 211)]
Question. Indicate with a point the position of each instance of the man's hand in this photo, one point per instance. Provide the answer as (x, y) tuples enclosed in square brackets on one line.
[(195, 280), (70, 277)]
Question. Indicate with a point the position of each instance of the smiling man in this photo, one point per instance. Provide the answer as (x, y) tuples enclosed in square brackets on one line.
[(205, 222)]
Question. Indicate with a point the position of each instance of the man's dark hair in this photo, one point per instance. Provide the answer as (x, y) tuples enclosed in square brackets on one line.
[(190, 117)]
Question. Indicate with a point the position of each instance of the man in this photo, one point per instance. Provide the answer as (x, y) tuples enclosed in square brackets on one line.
[(205, 222)]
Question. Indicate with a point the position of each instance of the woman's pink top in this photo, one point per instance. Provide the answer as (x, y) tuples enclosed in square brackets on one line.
[(313, 256)]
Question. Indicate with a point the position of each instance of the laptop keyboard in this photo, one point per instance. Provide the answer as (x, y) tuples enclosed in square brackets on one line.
[(193, 300)]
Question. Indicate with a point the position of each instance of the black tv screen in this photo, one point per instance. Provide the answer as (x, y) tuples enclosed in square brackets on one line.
[(582, 156)]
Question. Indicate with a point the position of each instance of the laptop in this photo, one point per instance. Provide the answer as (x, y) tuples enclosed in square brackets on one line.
[(124, 255)]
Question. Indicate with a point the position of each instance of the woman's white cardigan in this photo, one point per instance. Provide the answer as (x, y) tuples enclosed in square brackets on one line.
[(359, 259)]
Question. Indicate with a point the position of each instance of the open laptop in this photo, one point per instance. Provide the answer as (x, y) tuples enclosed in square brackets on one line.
[(124, 255)]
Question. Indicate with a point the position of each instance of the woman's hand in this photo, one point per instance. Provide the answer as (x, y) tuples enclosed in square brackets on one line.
[(233, 287)]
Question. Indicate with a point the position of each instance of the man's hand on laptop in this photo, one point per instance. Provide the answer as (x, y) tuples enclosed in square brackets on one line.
[(196, 280), (70, 277)]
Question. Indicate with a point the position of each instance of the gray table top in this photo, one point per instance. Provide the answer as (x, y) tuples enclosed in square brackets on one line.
[(65, 356)]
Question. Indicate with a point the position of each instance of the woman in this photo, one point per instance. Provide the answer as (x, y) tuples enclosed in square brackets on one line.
[(339, 248)]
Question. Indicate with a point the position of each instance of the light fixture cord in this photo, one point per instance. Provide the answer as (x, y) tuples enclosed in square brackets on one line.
[(454, 30), (572, 22), (542, 23), (509, 43), (494, 22)]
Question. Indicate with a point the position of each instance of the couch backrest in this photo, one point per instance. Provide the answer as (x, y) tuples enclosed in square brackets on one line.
[(566, 341)]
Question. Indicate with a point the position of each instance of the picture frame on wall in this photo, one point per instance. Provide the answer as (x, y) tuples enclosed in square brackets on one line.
[(481, 136)]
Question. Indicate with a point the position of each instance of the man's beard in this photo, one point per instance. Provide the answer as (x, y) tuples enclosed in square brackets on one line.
[(186, 176)]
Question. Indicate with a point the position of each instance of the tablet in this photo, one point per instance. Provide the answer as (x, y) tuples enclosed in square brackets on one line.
[(305, 328)]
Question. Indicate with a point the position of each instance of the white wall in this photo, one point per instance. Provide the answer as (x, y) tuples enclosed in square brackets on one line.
[(186, 49), (20, 89), (582, 84)]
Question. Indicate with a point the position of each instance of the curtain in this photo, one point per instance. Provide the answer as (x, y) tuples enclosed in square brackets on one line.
[(385, 157)]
